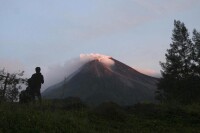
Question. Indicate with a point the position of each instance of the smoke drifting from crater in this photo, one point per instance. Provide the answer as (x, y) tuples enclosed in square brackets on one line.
[(106, 60), (58, 73)]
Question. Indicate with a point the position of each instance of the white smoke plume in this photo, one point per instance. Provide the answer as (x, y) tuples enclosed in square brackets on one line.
[(101, 58), (58, 73)]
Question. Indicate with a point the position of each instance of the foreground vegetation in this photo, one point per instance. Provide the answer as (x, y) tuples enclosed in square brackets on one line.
[(59, 116)]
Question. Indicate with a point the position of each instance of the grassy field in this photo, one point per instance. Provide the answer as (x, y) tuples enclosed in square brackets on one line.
[(61, 117)]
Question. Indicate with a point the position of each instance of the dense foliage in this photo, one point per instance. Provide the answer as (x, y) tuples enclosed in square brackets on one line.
[(180, 80)]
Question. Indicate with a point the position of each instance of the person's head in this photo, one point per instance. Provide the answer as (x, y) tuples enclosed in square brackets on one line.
[(37, 69)]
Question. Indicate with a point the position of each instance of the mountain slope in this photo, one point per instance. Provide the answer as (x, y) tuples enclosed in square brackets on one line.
[(97, 82)]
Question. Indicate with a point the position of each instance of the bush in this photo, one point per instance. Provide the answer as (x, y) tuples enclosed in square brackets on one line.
[(111, 111)]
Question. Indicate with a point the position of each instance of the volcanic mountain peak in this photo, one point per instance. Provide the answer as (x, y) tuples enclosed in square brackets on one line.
[(98, 68)]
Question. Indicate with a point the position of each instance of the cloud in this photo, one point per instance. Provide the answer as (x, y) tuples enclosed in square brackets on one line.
[(57, 73), (148, 71)]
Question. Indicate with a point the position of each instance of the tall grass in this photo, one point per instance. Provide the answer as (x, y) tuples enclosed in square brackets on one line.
[(59, 117)]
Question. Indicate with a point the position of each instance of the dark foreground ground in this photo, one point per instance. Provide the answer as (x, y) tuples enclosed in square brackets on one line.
[(74, 117)]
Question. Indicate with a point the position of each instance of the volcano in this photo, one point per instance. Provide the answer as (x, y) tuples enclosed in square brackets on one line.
[(97, 82)]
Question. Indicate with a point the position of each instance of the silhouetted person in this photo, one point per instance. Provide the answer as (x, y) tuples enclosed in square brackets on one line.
[(37, 80)]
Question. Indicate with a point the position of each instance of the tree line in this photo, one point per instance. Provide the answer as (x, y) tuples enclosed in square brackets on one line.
[(180, 80)]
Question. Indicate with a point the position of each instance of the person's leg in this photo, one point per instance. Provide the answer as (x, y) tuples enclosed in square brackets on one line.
[(39, 95), (32, 95)]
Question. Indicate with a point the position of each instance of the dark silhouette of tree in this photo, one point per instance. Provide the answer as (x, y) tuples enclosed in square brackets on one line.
[(195, 78), (179, 72), (10, 84), (196, 52)]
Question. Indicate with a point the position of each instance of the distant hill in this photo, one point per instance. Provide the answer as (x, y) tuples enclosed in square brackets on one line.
[(97, 82)]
